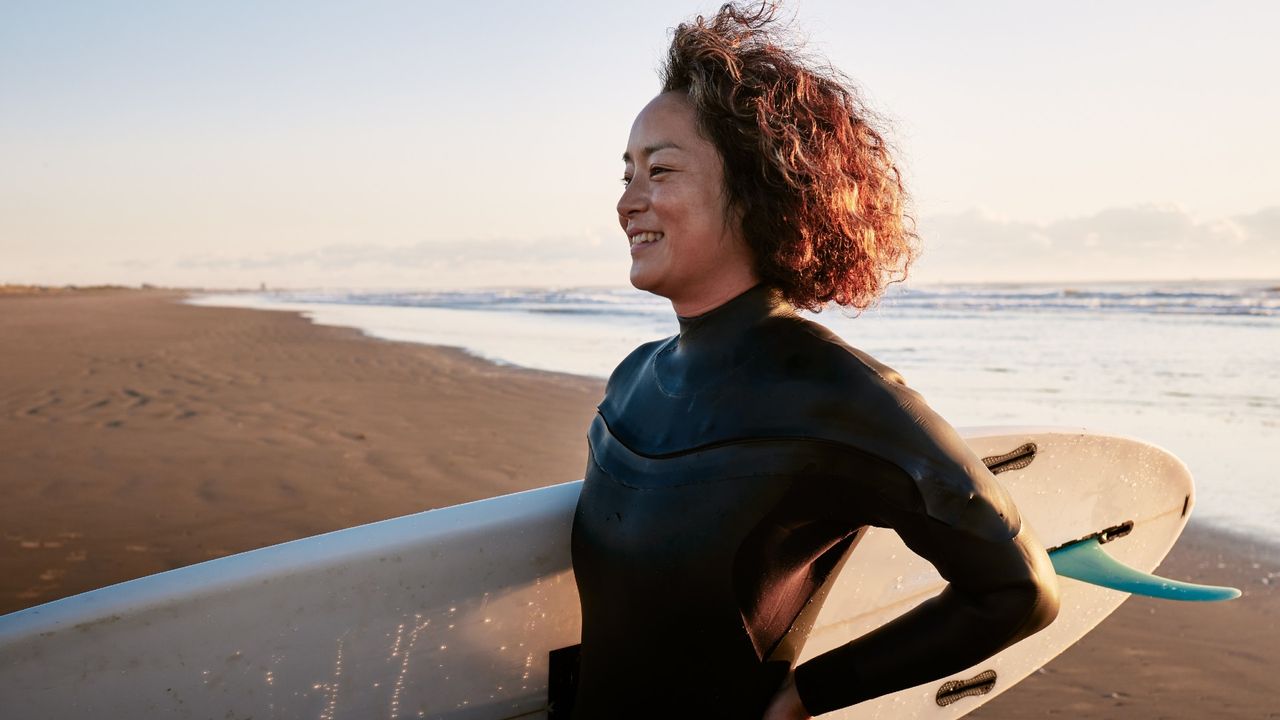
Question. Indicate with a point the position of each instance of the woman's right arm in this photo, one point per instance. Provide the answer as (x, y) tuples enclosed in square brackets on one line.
[(1001, 588)]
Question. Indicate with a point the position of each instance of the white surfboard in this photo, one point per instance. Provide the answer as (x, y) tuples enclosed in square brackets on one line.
[(452, 613)]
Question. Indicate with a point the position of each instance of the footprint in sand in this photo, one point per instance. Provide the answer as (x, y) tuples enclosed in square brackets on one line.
[(139, 399), (52, 574), (29, 544), (53, 399), (77, 556), (136, 548)]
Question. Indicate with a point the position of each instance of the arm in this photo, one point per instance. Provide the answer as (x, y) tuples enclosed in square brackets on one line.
[(1001, 589)]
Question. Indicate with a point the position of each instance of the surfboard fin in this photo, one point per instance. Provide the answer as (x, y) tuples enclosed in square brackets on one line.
[(1086, 561)]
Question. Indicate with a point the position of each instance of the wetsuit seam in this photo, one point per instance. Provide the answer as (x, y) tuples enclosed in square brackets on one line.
[(865, 454), (667, 347), (755, 441)]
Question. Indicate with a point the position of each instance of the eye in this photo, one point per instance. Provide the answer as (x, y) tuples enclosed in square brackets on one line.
[(625, 181), (655, 170)]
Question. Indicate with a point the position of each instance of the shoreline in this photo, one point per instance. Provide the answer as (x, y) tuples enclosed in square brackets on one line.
[(142, 434)]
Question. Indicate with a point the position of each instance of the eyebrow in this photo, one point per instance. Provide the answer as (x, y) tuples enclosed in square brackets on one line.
[(651, 149)]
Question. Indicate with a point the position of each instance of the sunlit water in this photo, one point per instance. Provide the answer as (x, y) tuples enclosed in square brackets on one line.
[(1193, 367)]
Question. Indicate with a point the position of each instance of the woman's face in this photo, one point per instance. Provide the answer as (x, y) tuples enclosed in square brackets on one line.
[(685, 244)]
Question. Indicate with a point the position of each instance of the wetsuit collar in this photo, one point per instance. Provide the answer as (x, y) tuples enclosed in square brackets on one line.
[(716, 342), (727, 321)]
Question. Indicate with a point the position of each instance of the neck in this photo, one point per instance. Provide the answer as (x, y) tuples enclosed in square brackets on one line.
[(709, 299)]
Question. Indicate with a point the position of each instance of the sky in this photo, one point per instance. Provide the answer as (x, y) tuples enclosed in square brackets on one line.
[(432, 145)]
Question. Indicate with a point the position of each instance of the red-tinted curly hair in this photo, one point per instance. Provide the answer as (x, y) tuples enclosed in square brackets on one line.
[(821, 200)]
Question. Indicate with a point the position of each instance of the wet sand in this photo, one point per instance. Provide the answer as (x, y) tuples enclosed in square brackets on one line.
[(140, 435)]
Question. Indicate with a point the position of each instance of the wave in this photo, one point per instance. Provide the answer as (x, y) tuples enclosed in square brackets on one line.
[(612, 302), (1208, 298), (1251, 300)]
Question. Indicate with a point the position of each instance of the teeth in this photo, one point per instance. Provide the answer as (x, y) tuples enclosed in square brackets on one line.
[(645, 237)]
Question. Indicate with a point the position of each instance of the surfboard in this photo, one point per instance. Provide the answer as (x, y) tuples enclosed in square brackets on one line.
[(455, 613)]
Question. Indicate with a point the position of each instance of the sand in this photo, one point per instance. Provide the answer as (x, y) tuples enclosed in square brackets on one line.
[(139, 435)]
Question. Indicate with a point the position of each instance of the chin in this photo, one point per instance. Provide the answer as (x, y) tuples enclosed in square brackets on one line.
[(657, 280), (640, 281)]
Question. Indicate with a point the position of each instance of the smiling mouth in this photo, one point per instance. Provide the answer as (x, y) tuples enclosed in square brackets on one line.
[(645, 237)]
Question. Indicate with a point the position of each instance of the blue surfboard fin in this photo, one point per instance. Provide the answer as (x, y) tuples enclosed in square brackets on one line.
[(1086, 561)]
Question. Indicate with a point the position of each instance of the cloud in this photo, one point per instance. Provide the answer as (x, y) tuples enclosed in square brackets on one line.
[(1263, 224), (1138, 242), (1158, 242)]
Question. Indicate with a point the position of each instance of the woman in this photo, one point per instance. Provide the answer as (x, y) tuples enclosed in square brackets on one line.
[(733, 465)]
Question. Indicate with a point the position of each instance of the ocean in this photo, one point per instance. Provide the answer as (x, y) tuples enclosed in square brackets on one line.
[(1191, 366)]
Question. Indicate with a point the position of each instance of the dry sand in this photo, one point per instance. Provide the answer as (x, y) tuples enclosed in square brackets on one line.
[(138, 435)]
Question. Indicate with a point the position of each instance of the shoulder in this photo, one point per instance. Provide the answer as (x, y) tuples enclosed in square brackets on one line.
[(806, 350), (835, 385), (854, 399), (634, 363)]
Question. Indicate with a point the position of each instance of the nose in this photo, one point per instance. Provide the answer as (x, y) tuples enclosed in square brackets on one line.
[(633, 201)]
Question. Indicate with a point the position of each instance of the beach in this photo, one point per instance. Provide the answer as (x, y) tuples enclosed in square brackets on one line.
[(140, 434)]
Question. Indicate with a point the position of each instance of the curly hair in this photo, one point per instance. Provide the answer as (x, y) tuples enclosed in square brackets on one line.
[(821, 201)]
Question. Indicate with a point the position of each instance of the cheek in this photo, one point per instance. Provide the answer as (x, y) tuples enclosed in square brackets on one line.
[(710, 205), (689, 210), (680, 208)]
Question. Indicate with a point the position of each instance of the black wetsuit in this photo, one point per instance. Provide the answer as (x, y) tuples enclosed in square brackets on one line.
[(731, 469)]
